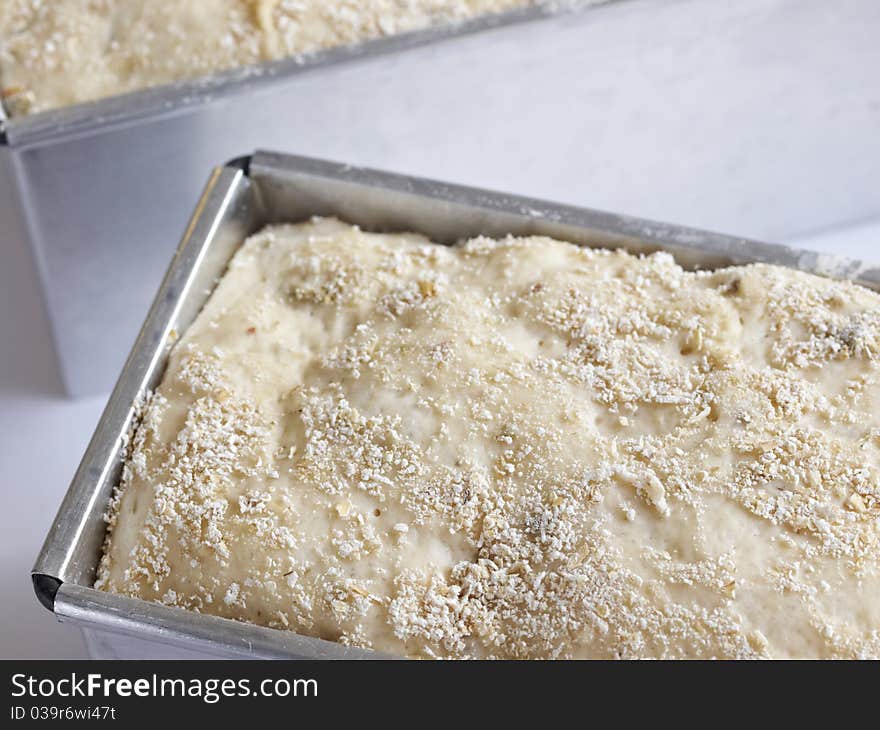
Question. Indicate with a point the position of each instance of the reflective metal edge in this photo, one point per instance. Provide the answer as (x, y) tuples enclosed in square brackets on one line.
[(76, 535), (177, 627), (178, 97), (4, 122), (301, 186), (238, 198)]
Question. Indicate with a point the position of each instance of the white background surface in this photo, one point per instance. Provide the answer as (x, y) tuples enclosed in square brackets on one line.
[(43, 434)]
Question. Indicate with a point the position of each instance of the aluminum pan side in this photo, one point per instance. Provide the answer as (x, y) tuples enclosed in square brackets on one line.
[(217, 227), (178, 97), (294, 187), (221, 637)]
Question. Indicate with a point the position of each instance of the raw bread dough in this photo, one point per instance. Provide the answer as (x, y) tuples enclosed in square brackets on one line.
[(59, 52), (514, 448)]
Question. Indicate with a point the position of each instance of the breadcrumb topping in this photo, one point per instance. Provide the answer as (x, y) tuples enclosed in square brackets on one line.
[(514, 448)]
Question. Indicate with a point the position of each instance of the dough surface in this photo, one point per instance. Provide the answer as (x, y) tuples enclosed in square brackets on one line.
[(514, 448), (54, 53)]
